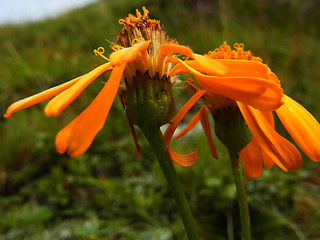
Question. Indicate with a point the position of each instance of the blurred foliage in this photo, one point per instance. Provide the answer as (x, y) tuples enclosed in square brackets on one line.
[(112, 192)]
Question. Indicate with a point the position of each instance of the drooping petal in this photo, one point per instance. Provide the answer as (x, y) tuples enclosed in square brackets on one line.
[(129, 54), (268, 163), (201, 115), (187, 159), (206, 127), (184, 160), (64, 99), (302, 127), (268, 115), (252, 159), (40, 97), (194, 120), (280, 150), (78, 135), (133, 132), (260, 93)]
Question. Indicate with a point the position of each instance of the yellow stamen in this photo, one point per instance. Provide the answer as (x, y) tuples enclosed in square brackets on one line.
[(115, 47), (138, 14), (145, 12), (122, 21), (189, 82), (100, 51), (137, 40)]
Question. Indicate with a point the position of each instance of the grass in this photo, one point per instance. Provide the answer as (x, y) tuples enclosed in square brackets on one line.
[(112, 192)]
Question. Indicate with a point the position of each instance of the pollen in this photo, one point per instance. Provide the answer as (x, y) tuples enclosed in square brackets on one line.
[(238, 53)]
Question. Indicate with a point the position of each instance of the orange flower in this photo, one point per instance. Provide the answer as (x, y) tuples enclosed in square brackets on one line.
[(141, 51), (256, 97)]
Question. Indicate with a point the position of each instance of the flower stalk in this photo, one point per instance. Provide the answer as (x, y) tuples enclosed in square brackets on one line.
[(237, 171), (233, 131), (156, 141)]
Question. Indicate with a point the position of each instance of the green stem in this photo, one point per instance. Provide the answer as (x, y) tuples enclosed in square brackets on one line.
[(241, 195), (155, 139)]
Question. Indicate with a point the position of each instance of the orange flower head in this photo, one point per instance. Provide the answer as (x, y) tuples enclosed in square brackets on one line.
[(250, 89), (148, 85)]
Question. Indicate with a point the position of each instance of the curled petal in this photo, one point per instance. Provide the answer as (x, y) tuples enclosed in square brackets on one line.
[(64, 99), (129, 54), (211, 66), (252, 159), (184, 160), (78, 135), (201, 115), (302, 127), (167, 49), (188, 159), (40, 97), (280, 150)]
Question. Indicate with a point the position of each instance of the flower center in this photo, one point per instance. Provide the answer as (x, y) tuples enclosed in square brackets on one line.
[(141, 28), (238, 53)]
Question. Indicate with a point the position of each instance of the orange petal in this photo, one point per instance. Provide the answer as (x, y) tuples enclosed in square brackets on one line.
[(184, 160), (302, 127), (203, 116), (77, 136), (210, 66), (252, 159), (232, 68), (206, 127), (167, 49), (129, 54), (268, 163), (191, 124), (40, 97), (239, 68), (63, 100), (274, 78), (187, 159), (257, 92), (268, 115), (281, 151)]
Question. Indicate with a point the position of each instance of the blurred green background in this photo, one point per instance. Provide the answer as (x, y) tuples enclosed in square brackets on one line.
[(112, 192)]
